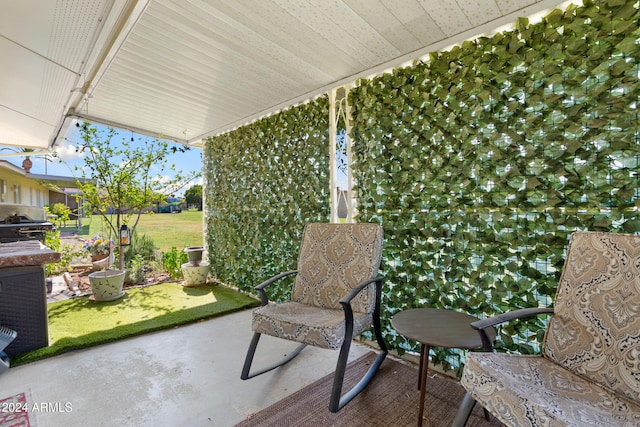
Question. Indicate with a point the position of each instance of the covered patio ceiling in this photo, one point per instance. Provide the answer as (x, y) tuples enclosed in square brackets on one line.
[(188, 69)]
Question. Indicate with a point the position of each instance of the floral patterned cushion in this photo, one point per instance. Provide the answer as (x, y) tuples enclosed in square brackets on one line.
[(595, 329), (308, 324), (534, 391), (589, 373), (334, 258)]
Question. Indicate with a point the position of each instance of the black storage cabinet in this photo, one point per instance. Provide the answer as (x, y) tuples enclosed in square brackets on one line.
[(23, 307)]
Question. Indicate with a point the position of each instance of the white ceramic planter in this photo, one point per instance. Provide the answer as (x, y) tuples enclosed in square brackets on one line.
[(107, 285), (195, 275)]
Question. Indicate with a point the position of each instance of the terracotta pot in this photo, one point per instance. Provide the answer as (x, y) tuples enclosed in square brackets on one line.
[(27, 164), (107, 285), (98, 257), (103, 262)]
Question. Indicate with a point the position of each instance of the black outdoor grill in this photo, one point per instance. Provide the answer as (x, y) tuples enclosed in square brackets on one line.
[(23, 299), (19, 223)]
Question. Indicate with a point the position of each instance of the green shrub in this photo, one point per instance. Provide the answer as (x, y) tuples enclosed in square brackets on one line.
[(172, 260), (67, 252), (61, 211), (136, 270), (141, 246)]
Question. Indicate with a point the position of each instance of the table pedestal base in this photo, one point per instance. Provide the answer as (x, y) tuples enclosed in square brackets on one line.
[(422, 381)]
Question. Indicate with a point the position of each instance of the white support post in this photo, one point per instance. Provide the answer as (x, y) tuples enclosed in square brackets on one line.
[(333, 165), (205, 184), (351, 195)]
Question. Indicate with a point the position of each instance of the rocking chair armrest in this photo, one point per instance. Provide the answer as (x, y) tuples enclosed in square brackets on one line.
[(511, 315), (348, 311), (482, 325), (264, 299), (355, 291)]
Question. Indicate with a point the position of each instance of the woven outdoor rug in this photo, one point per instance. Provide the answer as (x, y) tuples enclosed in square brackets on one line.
[(391, 399)]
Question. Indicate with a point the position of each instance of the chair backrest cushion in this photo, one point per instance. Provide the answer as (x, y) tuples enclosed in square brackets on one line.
[(595, 329), (335, 258)]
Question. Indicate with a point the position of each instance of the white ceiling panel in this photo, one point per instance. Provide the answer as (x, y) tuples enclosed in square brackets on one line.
[(448, 15), (480, 11), (45, 47), (387, 25), (510, 6), (187, 69)]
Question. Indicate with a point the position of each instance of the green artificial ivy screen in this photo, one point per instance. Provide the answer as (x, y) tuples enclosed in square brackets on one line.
[(479, 162)]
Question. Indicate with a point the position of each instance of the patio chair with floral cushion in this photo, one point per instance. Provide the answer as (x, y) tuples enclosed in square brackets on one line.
[(589, 370), (335, 297)]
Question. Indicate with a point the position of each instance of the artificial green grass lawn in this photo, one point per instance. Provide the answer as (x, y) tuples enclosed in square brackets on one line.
[(79, 322)]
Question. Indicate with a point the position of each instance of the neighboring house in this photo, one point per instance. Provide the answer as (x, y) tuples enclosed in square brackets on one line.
[(16, 187), (22, 188)]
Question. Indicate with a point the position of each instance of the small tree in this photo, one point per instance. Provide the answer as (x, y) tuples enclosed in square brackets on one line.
[(193, 196), (61, 211), (118, 182)]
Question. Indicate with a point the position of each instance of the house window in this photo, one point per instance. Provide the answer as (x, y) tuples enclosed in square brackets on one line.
[(3, 191), (17, 193)]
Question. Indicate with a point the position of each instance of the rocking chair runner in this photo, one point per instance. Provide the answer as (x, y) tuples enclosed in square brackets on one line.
[(335, 297)]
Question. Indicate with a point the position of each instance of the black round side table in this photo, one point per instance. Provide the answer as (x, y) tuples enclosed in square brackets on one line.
[(433, 327)]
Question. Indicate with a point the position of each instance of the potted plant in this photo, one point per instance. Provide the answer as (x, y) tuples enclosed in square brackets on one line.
[(106, 285), (195, 271), (98, 247)]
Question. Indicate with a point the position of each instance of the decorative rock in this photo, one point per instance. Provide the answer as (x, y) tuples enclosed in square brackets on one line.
[(71, 285)]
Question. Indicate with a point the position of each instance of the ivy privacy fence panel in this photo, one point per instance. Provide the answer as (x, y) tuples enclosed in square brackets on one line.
[(479, 162)]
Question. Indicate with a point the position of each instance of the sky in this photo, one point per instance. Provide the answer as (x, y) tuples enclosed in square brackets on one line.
[(68, 158)]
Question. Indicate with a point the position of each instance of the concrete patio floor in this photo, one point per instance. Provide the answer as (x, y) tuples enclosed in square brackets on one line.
[(186, 376)]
